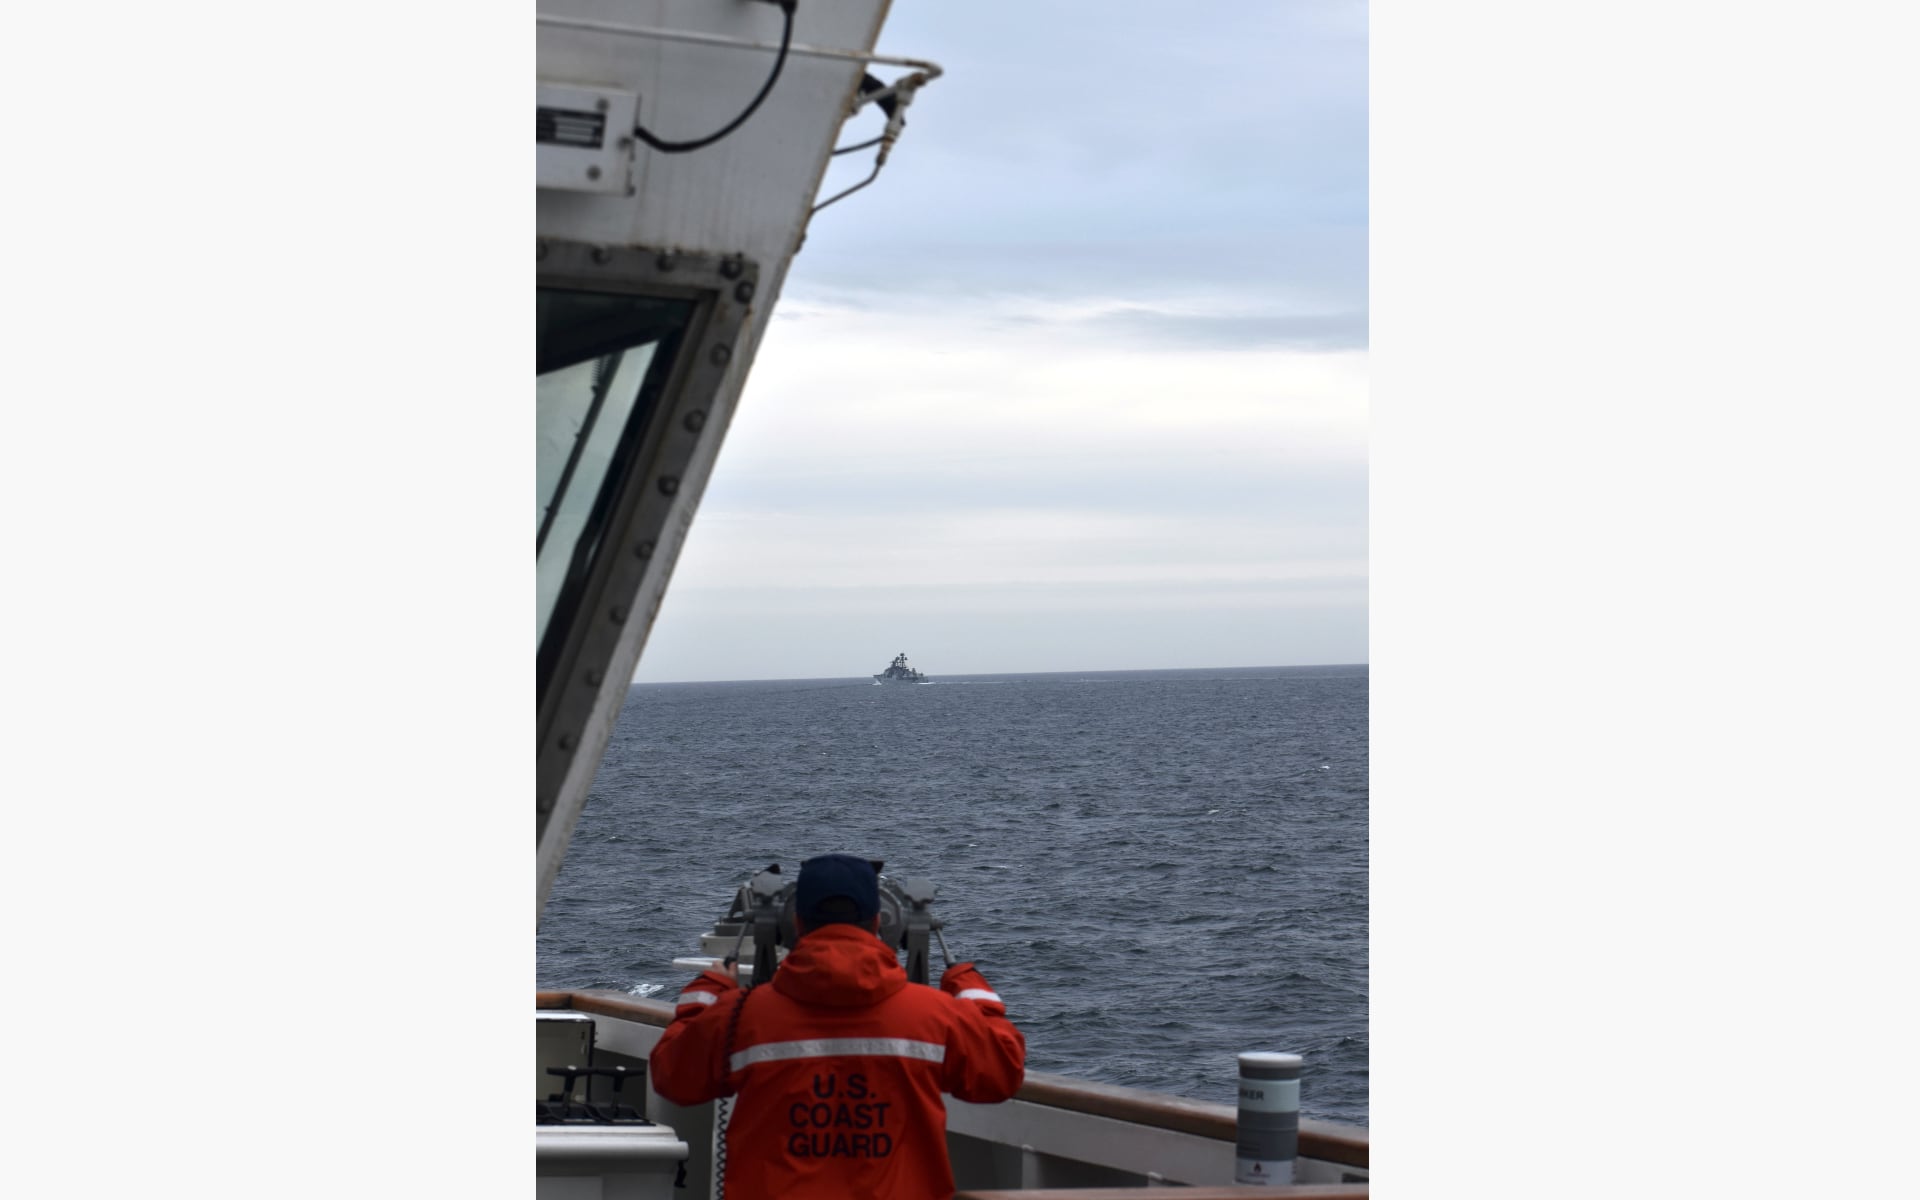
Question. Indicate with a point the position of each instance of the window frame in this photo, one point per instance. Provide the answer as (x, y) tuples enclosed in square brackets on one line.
[(643, 500)]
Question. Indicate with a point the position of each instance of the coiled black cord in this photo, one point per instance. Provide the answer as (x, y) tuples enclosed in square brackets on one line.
[(786, 38), (723, 1108)]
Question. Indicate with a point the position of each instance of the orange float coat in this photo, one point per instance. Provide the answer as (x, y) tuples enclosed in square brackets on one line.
[(839, 1066)]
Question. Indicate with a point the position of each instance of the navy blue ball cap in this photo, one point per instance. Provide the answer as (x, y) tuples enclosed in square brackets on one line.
[(837, 888)]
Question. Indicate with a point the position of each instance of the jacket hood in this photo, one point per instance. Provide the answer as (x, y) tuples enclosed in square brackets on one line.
[(840, 966)]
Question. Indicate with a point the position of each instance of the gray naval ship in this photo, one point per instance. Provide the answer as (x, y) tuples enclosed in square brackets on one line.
[(899, 672)]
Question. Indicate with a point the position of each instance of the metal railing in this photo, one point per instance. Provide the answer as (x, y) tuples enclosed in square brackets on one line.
[(1344, 1145)]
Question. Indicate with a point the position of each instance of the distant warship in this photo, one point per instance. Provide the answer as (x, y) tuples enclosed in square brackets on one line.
[(899, 672)]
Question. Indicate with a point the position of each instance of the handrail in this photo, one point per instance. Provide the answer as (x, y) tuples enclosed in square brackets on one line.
[(608, 1004), (696, 38), (1298, 1191), (1323, 1140)]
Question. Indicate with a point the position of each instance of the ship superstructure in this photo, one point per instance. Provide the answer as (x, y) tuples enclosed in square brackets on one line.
[(670, 202), (899, 672)]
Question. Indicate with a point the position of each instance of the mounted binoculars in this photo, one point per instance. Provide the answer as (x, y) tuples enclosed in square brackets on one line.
[(763, 910)]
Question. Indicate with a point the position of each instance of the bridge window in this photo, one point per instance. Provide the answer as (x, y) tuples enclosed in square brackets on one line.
[(603, 362)]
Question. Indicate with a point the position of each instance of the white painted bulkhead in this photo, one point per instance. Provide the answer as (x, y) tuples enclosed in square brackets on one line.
[(747, 196)]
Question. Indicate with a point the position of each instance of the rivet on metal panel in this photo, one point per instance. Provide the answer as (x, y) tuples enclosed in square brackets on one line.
[(643, 550), (601, 104), (567, 741), (618, 614), (594, 677), (601, 254), (593, 172), (731, 267), (665, 262), (696, 420), (743, 291), (722, 354), (669, 485)]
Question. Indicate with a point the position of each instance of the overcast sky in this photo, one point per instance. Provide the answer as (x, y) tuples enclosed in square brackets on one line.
[(1080, 383)]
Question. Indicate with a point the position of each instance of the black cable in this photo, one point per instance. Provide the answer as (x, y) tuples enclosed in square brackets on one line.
[(723, 1107), (786, 37), (861, 145)]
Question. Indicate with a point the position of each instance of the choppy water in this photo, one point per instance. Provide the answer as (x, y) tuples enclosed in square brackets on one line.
[(1156, 869)]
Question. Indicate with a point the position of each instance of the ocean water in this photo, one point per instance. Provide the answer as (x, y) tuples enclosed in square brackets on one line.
[(1156, 869)]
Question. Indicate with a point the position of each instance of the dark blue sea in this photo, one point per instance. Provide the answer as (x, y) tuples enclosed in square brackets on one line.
[(1156, 869)]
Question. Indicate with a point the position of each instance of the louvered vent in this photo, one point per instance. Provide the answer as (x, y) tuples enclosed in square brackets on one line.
[(572, 127)]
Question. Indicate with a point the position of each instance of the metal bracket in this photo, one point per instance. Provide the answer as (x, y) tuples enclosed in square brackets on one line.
[(585, 139)]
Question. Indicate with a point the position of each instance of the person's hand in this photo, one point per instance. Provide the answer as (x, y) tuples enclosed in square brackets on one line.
[(730, 967)]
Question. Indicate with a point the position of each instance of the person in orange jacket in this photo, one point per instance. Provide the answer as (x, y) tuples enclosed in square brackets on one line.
[(839, 1065)]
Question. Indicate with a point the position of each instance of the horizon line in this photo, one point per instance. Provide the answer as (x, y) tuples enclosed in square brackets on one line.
[(980, 674)]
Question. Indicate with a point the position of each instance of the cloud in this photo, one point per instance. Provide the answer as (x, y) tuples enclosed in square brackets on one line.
[(1013, 549), (1073, 150), (1081, 381), (1075, 384), (1312, 331), (1024, 455)]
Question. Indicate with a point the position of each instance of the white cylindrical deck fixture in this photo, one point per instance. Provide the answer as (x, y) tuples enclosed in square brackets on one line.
[(1269, 1118)]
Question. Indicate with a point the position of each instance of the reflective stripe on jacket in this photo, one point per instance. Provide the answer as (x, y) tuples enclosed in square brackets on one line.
[(839, 1066)]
